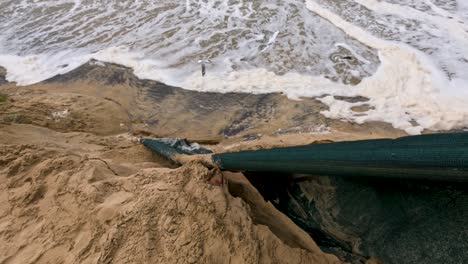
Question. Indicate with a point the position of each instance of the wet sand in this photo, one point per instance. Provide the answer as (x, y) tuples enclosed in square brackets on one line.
[(166, 111)]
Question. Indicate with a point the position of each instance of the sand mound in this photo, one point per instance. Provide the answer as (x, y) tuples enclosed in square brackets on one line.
[(80, 198)]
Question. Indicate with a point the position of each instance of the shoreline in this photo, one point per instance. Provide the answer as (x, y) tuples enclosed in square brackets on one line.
[(153, 108)]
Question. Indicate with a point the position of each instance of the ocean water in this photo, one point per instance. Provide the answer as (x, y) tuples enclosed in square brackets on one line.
[(409, 57)]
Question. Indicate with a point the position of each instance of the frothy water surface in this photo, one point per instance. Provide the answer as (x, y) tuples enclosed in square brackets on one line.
[(410, 57)]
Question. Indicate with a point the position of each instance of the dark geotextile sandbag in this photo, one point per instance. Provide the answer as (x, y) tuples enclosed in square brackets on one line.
[(439, 157)]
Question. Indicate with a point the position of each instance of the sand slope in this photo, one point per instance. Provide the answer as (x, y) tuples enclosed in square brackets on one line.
[(81, 198)]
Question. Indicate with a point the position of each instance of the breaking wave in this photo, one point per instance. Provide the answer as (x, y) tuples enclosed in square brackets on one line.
[(410, 58)]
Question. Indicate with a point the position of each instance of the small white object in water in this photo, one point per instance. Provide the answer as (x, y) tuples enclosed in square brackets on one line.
[(203, 67)]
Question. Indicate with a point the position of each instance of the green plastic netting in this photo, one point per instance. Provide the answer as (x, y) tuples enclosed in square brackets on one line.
[(441, 157)]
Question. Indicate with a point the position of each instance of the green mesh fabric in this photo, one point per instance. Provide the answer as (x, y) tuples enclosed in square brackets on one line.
[(441, 157)]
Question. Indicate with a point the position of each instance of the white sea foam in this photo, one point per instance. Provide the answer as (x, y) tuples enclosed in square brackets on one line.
[(412, 55), (35, 68)]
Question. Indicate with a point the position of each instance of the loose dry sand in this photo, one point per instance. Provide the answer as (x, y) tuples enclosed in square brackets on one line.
[(81, 198)]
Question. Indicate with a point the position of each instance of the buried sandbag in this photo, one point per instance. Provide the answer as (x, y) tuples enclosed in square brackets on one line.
[(398, 221), (439, 157)]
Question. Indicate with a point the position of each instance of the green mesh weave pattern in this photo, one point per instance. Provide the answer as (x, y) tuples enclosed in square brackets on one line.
[(434, 157)]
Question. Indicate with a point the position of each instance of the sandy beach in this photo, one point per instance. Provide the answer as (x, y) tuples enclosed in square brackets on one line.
[(76, 187), (92, 91)]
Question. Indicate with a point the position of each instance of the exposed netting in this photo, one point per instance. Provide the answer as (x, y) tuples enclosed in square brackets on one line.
[(169, 147), (442, 157)]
